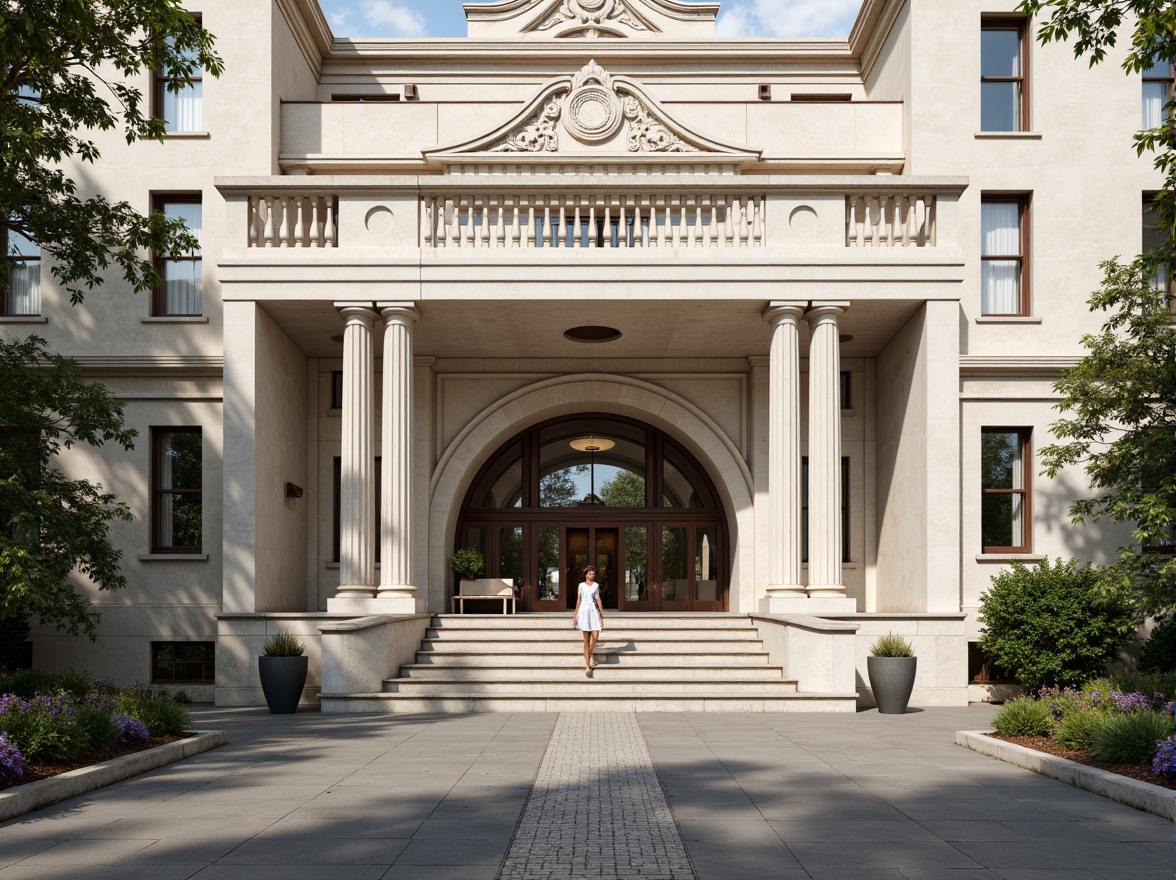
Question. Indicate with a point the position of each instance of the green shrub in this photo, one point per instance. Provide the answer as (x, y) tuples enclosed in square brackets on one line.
[(95, 723), (27, 683), (1052, 625), (1131, 738), (157, 710), (467, 563), (1023, 716), (283, 645), (1078, 729), (1159, 651), (891, 645), (44, 731)]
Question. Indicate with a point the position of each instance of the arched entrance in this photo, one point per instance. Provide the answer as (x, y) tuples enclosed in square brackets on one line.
[(605, 490)]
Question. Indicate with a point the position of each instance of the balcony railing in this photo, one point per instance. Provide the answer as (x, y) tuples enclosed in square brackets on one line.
[(594, 221), (890, 221), (292, 221)]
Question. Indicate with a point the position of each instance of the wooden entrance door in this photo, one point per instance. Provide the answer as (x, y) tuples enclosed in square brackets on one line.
[(594, 545)]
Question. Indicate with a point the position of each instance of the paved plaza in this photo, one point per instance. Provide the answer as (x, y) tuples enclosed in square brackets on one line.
[(476, 797)]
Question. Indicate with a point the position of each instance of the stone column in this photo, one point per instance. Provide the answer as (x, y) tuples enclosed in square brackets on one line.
[(784, 581), (357, 486), (396, 538), (824, 452)]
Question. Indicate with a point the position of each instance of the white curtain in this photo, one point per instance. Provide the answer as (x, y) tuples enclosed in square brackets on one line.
[(1154, 96), (24, 278), (183, 278), (183, 109), (1000, 280)]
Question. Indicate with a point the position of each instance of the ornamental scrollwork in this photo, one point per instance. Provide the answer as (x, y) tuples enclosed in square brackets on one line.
[(648, 135), (536, 136), (591, 12)]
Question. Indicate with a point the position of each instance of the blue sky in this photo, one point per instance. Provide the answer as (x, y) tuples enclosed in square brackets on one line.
[(444, 18)]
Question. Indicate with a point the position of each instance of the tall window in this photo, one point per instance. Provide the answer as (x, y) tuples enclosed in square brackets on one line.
[(1006, 473), (1004, 239), (22, 263), (177, 473), (1004, 98), (804, 508), (179, 100), (180, 292), (1153, 239), (1157, 89)]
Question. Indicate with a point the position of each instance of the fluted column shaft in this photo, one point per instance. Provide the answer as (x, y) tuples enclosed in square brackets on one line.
[(357, 486), (396, 568), (824, 451), (784, 500)]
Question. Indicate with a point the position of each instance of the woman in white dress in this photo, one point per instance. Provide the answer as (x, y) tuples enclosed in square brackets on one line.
[(589, 617)]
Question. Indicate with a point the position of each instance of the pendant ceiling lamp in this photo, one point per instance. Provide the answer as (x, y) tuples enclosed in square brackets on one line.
[(592, 445)]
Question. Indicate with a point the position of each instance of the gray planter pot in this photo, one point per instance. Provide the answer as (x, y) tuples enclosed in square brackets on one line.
[(282, 680), (892, 679)]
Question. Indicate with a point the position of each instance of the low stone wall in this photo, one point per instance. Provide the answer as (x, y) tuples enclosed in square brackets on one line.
[(357, 655), (817, 653), (939, 641), (240, 641)]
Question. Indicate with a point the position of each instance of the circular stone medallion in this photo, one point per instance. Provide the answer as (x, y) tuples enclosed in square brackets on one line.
[(593, 113)]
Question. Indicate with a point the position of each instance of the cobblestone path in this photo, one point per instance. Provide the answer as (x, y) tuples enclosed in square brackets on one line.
[(597, 809)]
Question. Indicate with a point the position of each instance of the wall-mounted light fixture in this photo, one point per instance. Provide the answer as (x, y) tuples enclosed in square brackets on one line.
[(765, 92), (410, 92), (293, 491)]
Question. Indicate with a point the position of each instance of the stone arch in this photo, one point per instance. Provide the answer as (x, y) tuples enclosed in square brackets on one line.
[(568, 395)]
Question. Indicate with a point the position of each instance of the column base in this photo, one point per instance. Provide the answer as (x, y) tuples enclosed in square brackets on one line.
[(812, 605), (376, 605)]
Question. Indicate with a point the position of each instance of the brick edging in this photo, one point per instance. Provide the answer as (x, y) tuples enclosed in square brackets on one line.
[(1132, 792), (23, 799)]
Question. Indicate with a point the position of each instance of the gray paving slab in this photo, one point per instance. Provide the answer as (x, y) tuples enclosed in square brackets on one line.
[(787, 796)]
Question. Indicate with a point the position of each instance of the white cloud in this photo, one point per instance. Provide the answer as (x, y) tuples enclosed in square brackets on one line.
[(788, 18), (393, 19)]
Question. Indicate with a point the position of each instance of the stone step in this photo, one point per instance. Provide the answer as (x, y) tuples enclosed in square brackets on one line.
[(507, 634), (507, 700), (561, 670), (571, 641), (576, 684), (613, 619), (531, 659)]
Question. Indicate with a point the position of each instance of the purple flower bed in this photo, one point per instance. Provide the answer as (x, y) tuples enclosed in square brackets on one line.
[(130, 730), (11, 761)]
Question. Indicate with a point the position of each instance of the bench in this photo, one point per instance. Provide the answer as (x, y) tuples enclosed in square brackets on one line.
[(484, 590)]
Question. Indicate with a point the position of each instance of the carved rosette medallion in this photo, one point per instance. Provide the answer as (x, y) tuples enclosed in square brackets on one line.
[(593, 110)]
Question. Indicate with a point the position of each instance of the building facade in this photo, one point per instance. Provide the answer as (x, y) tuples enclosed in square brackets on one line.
[(757, 326)]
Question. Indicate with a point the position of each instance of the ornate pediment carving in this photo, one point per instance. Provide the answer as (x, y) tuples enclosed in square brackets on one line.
[(561, 19), (594, 115)]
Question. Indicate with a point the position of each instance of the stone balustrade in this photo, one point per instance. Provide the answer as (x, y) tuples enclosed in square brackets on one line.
[(292, 220), (592, 220), (890, 220)]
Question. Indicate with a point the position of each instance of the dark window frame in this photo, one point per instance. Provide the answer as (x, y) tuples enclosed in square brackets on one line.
[(1170, 79), (1149, 209), (158, 203), (157, 491), (804, 510), (7, 261), (1022, 200), (1020, 24), (160, 82), (205, 668), (1025, 438), (337, 506)]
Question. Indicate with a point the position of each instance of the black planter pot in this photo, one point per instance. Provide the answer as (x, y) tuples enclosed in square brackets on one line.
[(892, 679), (282, 680)]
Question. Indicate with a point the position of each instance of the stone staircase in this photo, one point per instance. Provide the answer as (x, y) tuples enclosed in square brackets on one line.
[(534, 663)]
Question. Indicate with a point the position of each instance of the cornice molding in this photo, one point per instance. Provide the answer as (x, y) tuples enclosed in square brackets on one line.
[(1003, 365), (148, 365), (871, 29), (310, 29)]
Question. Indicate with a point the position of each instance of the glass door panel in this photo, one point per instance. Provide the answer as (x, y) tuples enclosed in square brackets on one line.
[(606, 565), (575, 561), (550, 585), (510, 554), (675, 575), (707, 590), (636, 570)]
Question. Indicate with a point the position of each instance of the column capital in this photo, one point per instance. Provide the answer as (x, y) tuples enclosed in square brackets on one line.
[(820, 310), (778, 311), (399, 312), (362, 312)]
